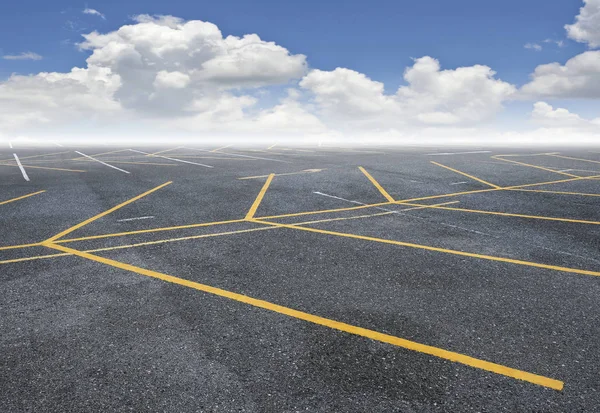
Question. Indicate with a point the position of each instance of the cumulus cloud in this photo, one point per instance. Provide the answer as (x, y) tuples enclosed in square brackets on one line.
[(23, 56), (431, 96), (544, 114), (579, 77), (94, 12), (586, 28)]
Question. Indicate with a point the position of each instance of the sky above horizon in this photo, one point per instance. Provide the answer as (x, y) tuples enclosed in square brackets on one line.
[(270, 69)]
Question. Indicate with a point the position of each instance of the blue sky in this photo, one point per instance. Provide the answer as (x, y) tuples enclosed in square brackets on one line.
[(336, 68), (376, 37)]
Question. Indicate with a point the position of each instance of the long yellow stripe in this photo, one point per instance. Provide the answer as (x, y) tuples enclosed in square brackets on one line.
[(536, 166), (466, 174), (575, 159), (326, 322), (35, 156), (20, 197), (376, 184), (259, 198), (508, 214), (555, 192), (436, 249), (95, 217)]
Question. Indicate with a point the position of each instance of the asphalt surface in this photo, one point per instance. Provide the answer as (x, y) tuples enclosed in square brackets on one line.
[(81, 334)]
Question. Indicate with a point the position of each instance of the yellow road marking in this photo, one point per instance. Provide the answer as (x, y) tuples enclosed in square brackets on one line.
[(37, 257), (554, 192), (87, 221), (575, 159), (19, 246), (466, 174), (45, 167), (528, 154), (272, 146), (374, 182), (508, 214), (306, 171), (333, 324), (98, 154), (143, 231), (222, 147), (166, 150), (35, 156), (192, 236), (134, 163), (259, 198), (436, 249), (535, 166), (425, 198), (20, 197)]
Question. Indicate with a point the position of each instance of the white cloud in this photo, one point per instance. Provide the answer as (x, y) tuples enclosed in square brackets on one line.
[(23, 56), (586, 28), (94, 12), (544, 114), (432, 96), (533, 46), (579, 77), (175, 80)]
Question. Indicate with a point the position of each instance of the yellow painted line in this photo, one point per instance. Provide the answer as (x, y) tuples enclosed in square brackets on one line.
[(37, 257), (333, 324), (89, 220), (144, 231), (103, 153), (528, 154), (134, 163), (466, 174), (536, 166), (16, 247), (555, 192), (165, 151), (162, 241), (46, 167), (508, 214), (376, 184), (8, 201), (575, 159), (436, 249), (325, 211), (222, 147), (35, 156), (306, 171), (272, 146), (259, 198)]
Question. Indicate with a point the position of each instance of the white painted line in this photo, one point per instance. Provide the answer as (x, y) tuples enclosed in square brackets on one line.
[(173, 159), (134, 219), (57, 144), (455, 153), (103, 163), (21, 167), (459, 183), (10, 144), (242, 156)]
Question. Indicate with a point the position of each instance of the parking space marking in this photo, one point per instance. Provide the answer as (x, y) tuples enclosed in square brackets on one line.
[(222, 147), (102, 214), (455, 153), (376, 184), (535, 166), (172, 159), (326, 322), (8, 201), (306, 171), (103, 163), (575, 159), (35, 156), (555, 192), (259, 198), (467, 175), (242, 156), (21, 167)]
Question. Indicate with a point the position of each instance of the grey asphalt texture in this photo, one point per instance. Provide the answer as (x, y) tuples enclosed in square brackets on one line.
[(78, 335)]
